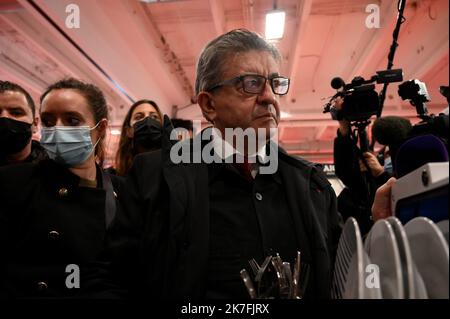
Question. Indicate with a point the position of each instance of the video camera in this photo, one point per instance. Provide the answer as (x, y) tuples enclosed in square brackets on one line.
[(360, 98), (416, 92)]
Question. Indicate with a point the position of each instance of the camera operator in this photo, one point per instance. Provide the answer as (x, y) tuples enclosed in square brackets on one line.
[(350, 161), (391, 131), (353, 201), (363, 172)]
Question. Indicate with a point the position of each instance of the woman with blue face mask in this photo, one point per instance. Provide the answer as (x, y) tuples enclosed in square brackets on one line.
[(55, 213)]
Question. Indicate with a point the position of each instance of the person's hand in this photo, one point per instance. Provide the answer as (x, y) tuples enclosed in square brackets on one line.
[(337, 103), (372, 162), (344, 125), (381, 207)]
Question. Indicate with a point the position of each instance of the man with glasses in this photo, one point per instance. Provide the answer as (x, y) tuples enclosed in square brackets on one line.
[(255, 84), (201, 224)]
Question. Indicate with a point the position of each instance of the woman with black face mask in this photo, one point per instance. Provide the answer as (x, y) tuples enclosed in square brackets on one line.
[(55, 214), (141, 132)]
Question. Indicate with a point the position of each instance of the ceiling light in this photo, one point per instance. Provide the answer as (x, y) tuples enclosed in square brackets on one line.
[(284, 115), (115, 132), (275, 24)]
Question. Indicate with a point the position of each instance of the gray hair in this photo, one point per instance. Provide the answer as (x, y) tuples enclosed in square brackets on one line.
[(214, 55)]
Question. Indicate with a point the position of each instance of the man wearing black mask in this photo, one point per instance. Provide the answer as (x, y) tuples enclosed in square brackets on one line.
[(17, 124)]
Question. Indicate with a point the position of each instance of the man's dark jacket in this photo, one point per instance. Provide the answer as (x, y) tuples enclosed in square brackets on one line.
[(357, 197), (37, 154), (166, 223)]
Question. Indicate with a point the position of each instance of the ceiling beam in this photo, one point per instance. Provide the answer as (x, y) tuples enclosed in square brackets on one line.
[(312, 152), (218, 16), (164, 48), (319, 132), (29, 31), (17, 73), (247, 14), (369, 52), (303, 13), (307, 123), (10, 66), (64, 45), (8, 6), (435, 57), (316, 120)]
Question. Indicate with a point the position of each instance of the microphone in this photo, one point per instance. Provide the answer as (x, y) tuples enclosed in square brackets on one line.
[(337, 83)]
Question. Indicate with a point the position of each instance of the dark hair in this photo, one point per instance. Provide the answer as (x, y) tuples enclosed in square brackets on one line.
[(95, 99), (10, 86), (213, 57), (126, 152), (186, 124), (391, 130)]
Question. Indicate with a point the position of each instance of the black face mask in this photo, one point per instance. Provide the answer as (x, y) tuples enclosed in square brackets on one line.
[(14, 135), (147, 133)]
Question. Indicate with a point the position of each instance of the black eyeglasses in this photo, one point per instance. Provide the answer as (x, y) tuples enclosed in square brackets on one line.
[(255, 84)]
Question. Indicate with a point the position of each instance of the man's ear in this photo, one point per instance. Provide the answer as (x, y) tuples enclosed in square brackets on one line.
[(34, 125), (206, 102)]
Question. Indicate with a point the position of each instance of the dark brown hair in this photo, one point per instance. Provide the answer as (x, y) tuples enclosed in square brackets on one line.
[(95, 99), (10, 86), (126, 152)]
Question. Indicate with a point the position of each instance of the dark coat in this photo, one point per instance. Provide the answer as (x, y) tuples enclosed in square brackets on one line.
[(357, 197), (37, 154), (167, 206), (46, 223), (346, 161)]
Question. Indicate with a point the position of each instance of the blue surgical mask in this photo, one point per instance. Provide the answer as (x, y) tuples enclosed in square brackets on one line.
[(68, 145), (388, 166)]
